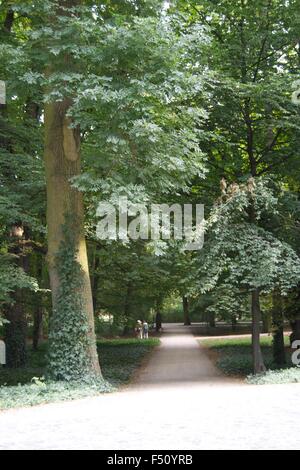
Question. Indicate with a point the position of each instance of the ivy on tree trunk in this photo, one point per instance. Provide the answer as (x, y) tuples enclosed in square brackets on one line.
[(73, 353)]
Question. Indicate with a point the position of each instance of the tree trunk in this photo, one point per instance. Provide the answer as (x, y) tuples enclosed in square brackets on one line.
[(73, 352), (212, 320), (9, 21), (258, 362), (278, 336), (186, 312), (65, 217), (128, 327)]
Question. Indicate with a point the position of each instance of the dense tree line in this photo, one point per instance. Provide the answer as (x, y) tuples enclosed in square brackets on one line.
[(161, 103)]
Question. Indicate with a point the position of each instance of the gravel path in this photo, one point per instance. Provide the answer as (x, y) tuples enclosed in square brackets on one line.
[(179, 401)]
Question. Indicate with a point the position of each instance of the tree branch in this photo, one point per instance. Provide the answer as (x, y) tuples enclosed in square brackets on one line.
[(269, 147), (9, 21)]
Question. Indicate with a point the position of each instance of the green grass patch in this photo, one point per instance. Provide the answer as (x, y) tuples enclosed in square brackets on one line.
[(36, 368), (234, 355), (119, 359)]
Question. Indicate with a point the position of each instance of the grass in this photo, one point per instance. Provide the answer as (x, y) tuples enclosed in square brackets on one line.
[(120, 358), (234, 358)]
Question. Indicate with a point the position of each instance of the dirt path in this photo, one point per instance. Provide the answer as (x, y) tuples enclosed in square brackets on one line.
[(179, 360), (179, 401)]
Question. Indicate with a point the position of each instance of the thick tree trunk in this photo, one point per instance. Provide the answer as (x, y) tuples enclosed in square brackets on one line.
[(65, 213), (73, 352), (186, 312), (258, 362), (278, 336)]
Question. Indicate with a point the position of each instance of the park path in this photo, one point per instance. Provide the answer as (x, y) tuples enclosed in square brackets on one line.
[(178, 401), (178, 362)]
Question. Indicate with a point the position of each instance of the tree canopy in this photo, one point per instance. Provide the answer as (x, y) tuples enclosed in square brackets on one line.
[(162, 103)]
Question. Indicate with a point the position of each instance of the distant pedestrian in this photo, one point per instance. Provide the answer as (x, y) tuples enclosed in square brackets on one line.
[(158, 321), (139, 329), (145, 330)]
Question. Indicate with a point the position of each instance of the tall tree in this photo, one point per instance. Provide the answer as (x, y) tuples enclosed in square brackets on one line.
[(73, 353), (253, 54), (242, 252)]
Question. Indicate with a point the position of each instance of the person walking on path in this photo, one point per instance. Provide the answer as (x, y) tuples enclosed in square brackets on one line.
[(145, 330), (139, 329)]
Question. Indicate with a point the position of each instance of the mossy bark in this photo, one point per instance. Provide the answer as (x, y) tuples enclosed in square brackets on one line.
[(65, 221), (65, 211)]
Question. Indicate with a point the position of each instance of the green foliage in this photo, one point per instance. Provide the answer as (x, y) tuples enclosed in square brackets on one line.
[(228, 303), (161, 95), (27, 387), (172, 310), (234, 356), (121, 357), (254, 131), (131, 279), (12, 278), (36, 367), (240, 249), (21, 177)]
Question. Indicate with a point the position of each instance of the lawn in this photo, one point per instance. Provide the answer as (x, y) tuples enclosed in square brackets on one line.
[(120, 358), (233, 356)]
